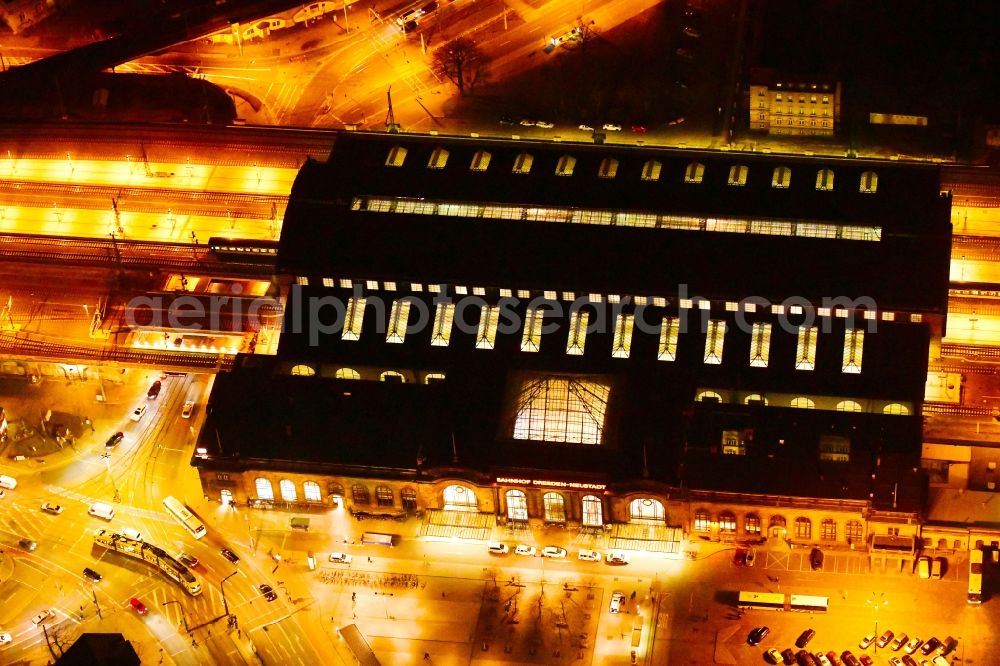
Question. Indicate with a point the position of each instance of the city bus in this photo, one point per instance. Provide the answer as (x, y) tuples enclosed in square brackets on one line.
[(761, 601), (976, 577), (808, 604), (184, 517)]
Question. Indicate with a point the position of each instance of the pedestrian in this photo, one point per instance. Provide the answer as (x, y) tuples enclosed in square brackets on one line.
[(442, 595), (354, 596), (633, 595), (427, 656), (369, 560)]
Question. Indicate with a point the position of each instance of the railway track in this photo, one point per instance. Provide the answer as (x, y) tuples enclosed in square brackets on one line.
[(115, 253), (38, 350)]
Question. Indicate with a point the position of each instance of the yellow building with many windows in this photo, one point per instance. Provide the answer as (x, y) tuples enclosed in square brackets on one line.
[(781, 105)]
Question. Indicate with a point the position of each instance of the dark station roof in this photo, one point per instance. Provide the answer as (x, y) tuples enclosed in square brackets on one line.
[(906, 269)]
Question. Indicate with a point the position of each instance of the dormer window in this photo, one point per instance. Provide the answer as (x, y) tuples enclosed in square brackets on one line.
[(522, 163), (695, 173), (397, 155), (438, 159)]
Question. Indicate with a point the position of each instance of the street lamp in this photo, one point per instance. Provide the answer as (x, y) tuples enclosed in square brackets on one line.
[(107, 462), (222, 586), (183, 614), (878, 599)]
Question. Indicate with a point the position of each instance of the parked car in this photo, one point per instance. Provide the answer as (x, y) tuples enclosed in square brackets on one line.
[(230, 555), (589, 555), (740, 557), (867, 661), (544, 124), (611, 127), (617, 601), (804, 658), (947, 646), (924, 567), (54, 509), (114, 440), (586, 128), (822, 659), (187, 409), (499, 549), (138, 413), (679, 119), (267, 591), (692, 31), (849, 659), (757, 634), (816, 559), (527, 122), (788, 655), (92, 575), (341, 558), (898, 642), (617, 557), (867, 641), (937, 568), (138, 606), (507, 121), (804, 638), (154, 390), (639, 129), (832, 657), (909, 661), (522, 549), (27, 544), (554, 552), (190, 561), (912, 646), (895, 661), (932, 644), (773, 656), (44, 616)]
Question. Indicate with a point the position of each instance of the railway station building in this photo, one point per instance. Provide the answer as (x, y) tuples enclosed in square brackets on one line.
[(645, 346)]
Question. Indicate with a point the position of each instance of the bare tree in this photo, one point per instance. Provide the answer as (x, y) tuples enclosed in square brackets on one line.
[(461, 62)]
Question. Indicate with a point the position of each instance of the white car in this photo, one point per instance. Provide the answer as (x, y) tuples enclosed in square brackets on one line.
[(527, 122), (525, 550), (554, 552), (611, 127), (589, 555), (617, 557), (42, 617), (586, 128), (187, 409), (138, 413), (544, 125), (912, 646), (341, 558), (498, 548), (54, 509), (617, 601)]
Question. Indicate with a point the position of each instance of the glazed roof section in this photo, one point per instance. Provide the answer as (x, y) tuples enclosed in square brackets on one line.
[(905, 267)]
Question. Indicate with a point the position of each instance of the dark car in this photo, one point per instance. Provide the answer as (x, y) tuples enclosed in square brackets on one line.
[(410, 26), (909, 661), (832, 656), (154, 390), (850, 659), (114, 440), (804, 638), (757, 635), (805, 659), (27, 544), (884, 639), (267, 591), (816, 559), (931, 645), (740, 557), (506, 120), (230, 555), (788, 656), (92, 575), (428, 8), (190, 561), (867, 661)]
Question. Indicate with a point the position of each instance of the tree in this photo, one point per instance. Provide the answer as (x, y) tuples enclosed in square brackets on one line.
[(461, 62)]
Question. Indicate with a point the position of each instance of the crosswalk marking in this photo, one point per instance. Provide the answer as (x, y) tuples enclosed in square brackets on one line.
[(128, 510)]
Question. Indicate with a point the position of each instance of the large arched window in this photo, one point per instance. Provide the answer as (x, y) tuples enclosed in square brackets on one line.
[(348, 373), (854, 531), (517, 505), (751, 524), (645, 508), (360, 494), (265, 490), (409, 499), (803, 528), (383, 496), (561, 409), (848, 406), (555, 508), (828, 530), (702, 521), (392, 376), (303, 370), (727, 522), (310, 489), (288, 492), (460, 498), (335, 489), (593, 511), (777, 526), (895, 409)]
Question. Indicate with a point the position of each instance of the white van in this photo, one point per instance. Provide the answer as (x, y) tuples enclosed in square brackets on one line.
[(131, 533), (102, 510), (8, 482)]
